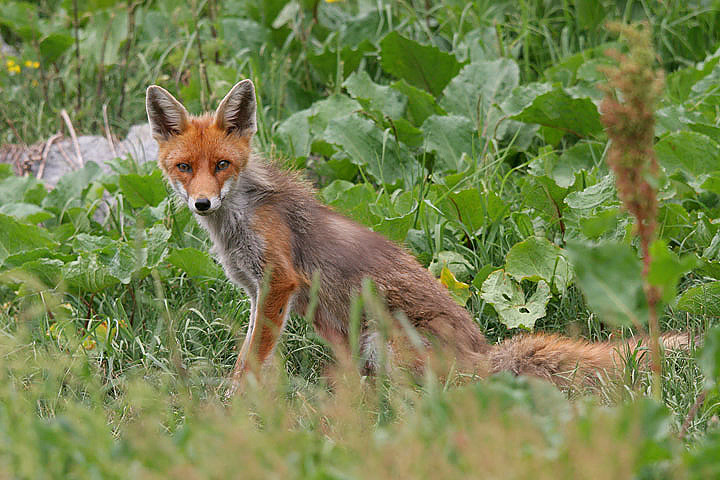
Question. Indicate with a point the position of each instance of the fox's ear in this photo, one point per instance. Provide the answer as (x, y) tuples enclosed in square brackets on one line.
[(166, 115), (236, 112)]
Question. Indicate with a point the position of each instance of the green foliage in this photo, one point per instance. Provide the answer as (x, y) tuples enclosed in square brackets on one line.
[(467, 131)]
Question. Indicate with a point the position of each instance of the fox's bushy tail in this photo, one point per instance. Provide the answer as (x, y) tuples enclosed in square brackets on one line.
[(569, 362)]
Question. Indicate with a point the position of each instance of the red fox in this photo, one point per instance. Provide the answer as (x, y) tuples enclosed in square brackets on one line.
[(261, 219)]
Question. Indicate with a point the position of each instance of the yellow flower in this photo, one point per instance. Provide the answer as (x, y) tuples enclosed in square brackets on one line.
[(332, 1), (32, 64), (36, 64), (13, 69), (9, 63), (89, 344)]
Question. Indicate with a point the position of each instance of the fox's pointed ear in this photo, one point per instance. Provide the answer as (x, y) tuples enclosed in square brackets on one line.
[(166, 115), (236, 112)]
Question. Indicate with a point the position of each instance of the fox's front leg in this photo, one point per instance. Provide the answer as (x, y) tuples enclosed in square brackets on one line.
[(267, 321)]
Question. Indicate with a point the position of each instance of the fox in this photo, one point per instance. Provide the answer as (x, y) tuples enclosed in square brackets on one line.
[(275, 240)]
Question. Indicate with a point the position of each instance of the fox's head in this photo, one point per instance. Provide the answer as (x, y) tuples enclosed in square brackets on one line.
[(203, 156)]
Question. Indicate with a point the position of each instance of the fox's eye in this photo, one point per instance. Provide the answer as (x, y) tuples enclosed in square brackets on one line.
[(184, 167), (222, 165)]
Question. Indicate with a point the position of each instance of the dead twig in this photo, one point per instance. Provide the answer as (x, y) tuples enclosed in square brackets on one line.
[(108, 133), (76, 144), (67, 157), (45, 152)]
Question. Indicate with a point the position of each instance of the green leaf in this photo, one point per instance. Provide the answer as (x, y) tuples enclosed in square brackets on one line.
[(194, 262), (353, 200), (141, 190), (701, 300), (450, 136), (420, 103), (594, 195), (155, 247), (26, 211), (478, 86), (666, 269), (53, 46), (457, 264), (369, 147), (594, 226), (460, 291), (326, 62), (540, 104), (376, 97), (693, 154), (581, 156), (71, 188), (16, 237), (537, 259), (468, 207), (21, 189), (423, 66), (508, 299), (88, 274), (610, 276), (5, 171), (296, 133), (46, 270), (361, 203), (103, 36)]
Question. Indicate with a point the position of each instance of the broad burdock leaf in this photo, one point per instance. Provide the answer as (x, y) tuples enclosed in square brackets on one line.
[(353, 200), (27, 212), (701, 300), (420, 104), (141, 190), (53, 46), (610, 277), (478, 86), (423, 66), (17, 237), (460, 291), (194, 262), (468, 207), (71, 188), (326, 61), (666, 269), (297, 132), (242, 34), (19, 259), (88, 274), (537, 259), (593, 196), (382, 98), (46, 270), (449, 136), (508, 299), (581, 156), (370, 148), (454, 261), (553, 107), (361, 203), (693, 154)]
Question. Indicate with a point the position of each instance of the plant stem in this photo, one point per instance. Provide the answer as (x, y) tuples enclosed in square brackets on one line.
[(77, 55)]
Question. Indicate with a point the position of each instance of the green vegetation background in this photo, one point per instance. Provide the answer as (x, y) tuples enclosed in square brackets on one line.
[(469, 131)]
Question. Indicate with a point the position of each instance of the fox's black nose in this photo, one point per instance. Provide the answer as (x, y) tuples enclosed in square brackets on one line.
[(202, 204)]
